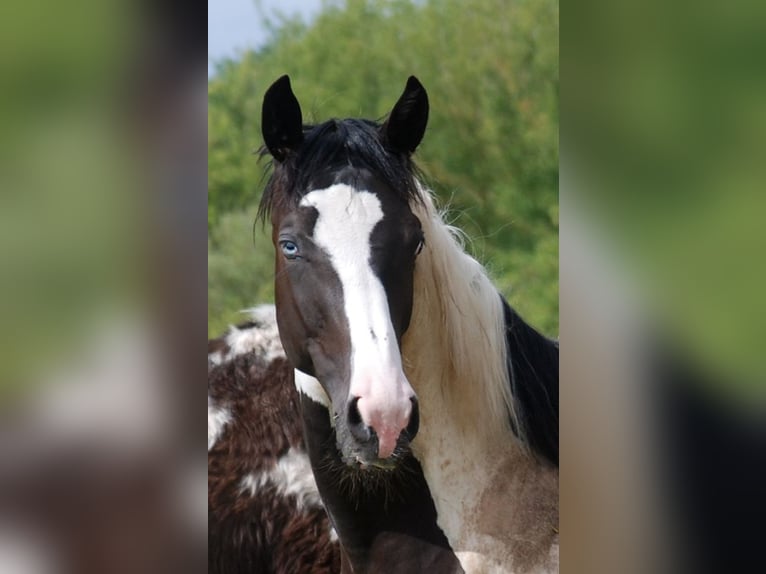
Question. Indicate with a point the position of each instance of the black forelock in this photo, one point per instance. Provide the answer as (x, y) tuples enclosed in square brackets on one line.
[(329, 149)]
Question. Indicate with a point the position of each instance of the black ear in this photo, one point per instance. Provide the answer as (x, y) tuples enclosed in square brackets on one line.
[(406, 123), (281, 119)]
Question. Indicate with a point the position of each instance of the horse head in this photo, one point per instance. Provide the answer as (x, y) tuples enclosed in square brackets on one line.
[(346, 243)]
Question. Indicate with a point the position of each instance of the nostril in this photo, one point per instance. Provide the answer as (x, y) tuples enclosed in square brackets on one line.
[(359, 430), (414, 424), (354, 416)]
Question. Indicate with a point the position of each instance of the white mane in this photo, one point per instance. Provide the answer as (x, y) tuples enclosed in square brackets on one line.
[(456, 338)]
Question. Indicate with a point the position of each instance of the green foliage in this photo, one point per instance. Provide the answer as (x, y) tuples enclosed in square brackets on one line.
[(241, 273), (491, 150)]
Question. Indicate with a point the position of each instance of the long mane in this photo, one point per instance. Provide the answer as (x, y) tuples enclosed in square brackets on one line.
[(458, 312), (473, 334)]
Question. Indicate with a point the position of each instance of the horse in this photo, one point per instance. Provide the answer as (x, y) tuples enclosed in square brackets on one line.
[(264, 510), (429, 406)]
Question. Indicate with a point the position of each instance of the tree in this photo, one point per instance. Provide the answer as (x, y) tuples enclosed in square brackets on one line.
[(491, 150)]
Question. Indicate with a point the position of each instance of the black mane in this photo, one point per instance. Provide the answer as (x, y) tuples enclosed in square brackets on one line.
[(326, 149), (533, 365)]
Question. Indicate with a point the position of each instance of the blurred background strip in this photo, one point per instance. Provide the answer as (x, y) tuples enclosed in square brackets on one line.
[(103, 176)]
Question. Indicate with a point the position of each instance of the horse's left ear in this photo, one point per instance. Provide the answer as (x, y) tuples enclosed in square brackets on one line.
[(406, 123), (281, 119)]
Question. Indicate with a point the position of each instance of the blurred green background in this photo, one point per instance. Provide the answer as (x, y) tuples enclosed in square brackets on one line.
[(490, 152), (663, 146)]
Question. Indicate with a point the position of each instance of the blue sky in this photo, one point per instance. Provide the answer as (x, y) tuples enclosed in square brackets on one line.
[(234, 25)]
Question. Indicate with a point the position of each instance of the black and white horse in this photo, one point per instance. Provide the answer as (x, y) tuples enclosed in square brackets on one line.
[(429, 407)]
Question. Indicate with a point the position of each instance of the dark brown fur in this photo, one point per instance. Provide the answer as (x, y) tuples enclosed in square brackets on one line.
[(266, 532)]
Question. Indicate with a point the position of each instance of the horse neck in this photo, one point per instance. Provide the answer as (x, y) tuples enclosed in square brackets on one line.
[(455, 354)]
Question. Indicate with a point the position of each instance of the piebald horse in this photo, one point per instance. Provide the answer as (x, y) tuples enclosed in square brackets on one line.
[(264, 511), (429, 407)]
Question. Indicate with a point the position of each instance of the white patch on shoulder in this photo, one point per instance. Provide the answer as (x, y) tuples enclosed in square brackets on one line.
[(217, 419), (292, 476)]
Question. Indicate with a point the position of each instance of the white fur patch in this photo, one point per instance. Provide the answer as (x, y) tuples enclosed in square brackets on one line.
[(217, 419), (312, 388), (292, 476), (261, 339), (346, 219)]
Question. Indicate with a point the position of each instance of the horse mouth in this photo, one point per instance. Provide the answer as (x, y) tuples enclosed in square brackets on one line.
[(363, 455), (381, 463), (363, 462)]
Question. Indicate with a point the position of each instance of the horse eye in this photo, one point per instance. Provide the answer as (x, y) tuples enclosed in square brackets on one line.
[(289, 249), (419, 248)]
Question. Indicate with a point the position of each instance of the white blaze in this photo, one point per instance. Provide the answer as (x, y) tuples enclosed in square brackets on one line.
[(343, 228)]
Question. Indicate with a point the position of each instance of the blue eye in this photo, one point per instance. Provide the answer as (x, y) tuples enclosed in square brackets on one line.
[(289, 249)]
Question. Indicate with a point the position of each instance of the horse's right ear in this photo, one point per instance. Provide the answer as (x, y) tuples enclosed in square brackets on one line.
[(281, 119)]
